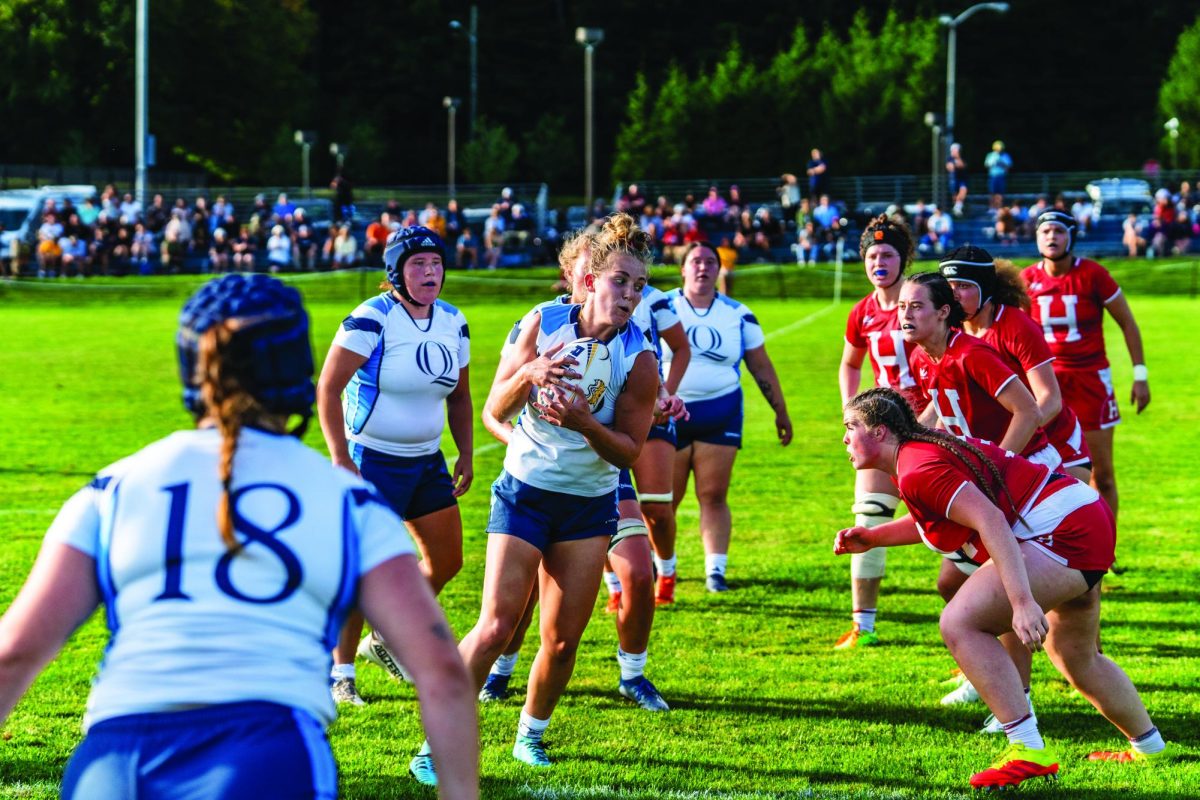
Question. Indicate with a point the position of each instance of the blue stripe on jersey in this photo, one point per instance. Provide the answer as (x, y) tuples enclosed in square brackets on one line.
[(750, 318), (100, 482), (465, 331), (346, 595), (353, 323), (556, 316), (660, 304), (104, 577), (324, 769), (729, 301), (632, 339)]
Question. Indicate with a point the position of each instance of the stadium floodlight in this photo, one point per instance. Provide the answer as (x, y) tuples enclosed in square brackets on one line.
[(471, 33), (952, 53), (306, 140), (1172, 128), (589, 38), (339, 151), (451, 105)]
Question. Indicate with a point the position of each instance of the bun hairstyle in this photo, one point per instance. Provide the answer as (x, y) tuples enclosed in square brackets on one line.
[(940, 294), (620, 234), (889, 230)]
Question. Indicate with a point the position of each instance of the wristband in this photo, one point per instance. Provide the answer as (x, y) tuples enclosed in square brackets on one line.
[(1140, 373)]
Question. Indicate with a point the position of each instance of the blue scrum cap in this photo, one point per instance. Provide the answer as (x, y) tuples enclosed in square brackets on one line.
[(403, 245), (269, 352)]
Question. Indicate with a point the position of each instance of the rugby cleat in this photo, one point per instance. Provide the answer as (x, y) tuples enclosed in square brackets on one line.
[(614, 603), (374, 650), (641, 691), (495, 688), (531, 752), (664, 591), (421, 768), (1132, 756), (1015, 765), (856, 638), (345, 692), (964, 693), (716, 583)]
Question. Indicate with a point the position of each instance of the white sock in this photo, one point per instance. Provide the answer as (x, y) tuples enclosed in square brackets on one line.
[(425, 751), (1149, 743), (612, 582), (715, 563), (864, 618), (340, 671), (665, 566), (531, 727), (505, 664), (1025, 731), (633, 665)]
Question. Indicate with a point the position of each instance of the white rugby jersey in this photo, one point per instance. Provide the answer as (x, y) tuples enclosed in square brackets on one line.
[(527, 320), (559, 459), (719, 336), (192, 624), (396, 402), (654, 314)]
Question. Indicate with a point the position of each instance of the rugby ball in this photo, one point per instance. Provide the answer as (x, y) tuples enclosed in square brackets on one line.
[(594, 364)]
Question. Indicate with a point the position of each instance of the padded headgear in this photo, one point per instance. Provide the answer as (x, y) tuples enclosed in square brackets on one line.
[(269, 352), (403, 245), (1054, 216), (970, 264)]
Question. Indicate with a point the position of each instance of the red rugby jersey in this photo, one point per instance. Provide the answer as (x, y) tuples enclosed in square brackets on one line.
[(963, 384), (877, 330), (1070, 311)]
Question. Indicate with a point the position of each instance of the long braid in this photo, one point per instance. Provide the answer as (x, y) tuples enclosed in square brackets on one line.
[(230, 406), (883, 406)]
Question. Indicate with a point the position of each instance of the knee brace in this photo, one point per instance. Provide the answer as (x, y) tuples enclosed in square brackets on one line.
[(631, 526), (874, 508)]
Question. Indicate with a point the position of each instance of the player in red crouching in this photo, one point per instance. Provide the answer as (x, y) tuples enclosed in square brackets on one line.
[(873, 331), (1070, 296), (1047, 540)]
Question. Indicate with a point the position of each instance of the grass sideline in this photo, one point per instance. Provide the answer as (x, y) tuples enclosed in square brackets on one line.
[(762, 707)]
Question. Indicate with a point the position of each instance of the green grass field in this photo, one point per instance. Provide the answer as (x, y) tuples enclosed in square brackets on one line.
[(761, 705)]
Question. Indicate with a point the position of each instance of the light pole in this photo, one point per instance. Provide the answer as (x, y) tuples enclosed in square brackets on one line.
[(338, 151), (952, 54), (1172, 126), (141, 102), (451, 105), (306, 139), (589, 38), (934, 123), (473, 44)]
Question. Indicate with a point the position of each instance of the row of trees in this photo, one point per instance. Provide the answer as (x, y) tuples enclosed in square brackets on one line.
[(678, 92)]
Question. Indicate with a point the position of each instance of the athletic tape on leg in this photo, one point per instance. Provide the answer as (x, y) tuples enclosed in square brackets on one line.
[(871, 509), (665, 497), (631, 526)]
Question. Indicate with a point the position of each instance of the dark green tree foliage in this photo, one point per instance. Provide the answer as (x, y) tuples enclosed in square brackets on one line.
[(491, 157), (550, 153), (873, 82), (225, 76), (1180, 97)]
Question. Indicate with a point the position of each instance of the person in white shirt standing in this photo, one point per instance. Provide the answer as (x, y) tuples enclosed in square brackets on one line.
[(401, 359), (722, 332)]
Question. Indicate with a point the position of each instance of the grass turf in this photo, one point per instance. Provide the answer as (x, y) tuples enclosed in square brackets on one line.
[(761, 706)]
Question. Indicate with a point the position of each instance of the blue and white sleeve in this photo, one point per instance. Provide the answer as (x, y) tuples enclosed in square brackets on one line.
[(78, 522), (360, 332), (381, 534), (752, 332)]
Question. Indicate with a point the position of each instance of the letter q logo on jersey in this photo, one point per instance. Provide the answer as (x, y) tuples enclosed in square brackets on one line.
[(706, 343), (434, 360)]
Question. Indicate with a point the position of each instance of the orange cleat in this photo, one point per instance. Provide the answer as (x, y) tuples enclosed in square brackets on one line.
[(856, 638), (1015, 765), (614, 603), (1131, 756), (664, 592)]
